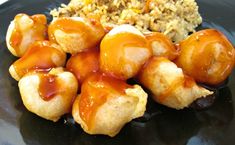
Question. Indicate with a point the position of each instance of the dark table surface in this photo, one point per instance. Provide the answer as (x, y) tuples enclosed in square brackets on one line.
[(213, 126)]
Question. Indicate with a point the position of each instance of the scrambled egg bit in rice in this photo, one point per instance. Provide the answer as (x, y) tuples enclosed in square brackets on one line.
[(174, 18)]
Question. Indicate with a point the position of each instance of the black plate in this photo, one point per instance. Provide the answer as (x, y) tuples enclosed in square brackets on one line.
[(213, 126)]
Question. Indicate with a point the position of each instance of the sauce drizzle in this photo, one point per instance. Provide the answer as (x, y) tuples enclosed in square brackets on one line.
[(38, 57), (36, 30), (83, 64), (96, 90), (48, 86)]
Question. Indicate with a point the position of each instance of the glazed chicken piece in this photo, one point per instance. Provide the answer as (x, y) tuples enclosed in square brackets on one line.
[(40, 55), (123, 51), (83, 64), (106, 104), (207, 56), (161, 45), (76, 34), (169, 85), (23, 31), (48, 94)]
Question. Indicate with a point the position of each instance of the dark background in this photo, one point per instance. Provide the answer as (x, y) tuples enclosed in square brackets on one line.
[(213, 126)]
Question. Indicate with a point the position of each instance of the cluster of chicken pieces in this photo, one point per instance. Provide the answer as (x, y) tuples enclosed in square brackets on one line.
[(74, 55)]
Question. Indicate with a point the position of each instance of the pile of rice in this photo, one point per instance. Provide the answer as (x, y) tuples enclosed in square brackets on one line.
[(174, 18)]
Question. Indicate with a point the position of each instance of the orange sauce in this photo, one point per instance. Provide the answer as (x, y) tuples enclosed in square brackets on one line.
[(204, 44), (48, 86), (39, 18), (107, 29), (188, 82), (146, 7), (69, 25), (16, 36), (171, 50), (83, 64), (113, 56), (174, 85), (38, 56), (38, 29), (96, 90), (177, 47)]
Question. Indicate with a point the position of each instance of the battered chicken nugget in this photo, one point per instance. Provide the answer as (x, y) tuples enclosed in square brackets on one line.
[(169, 85), (48, 94), (123, 51), (23, 31), (75, 34), (83, 64), (106, 104), (40, 55), (207, 56)]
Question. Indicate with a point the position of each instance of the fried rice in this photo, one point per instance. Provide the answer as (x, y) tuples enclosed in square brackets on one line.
[(174, 18)]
